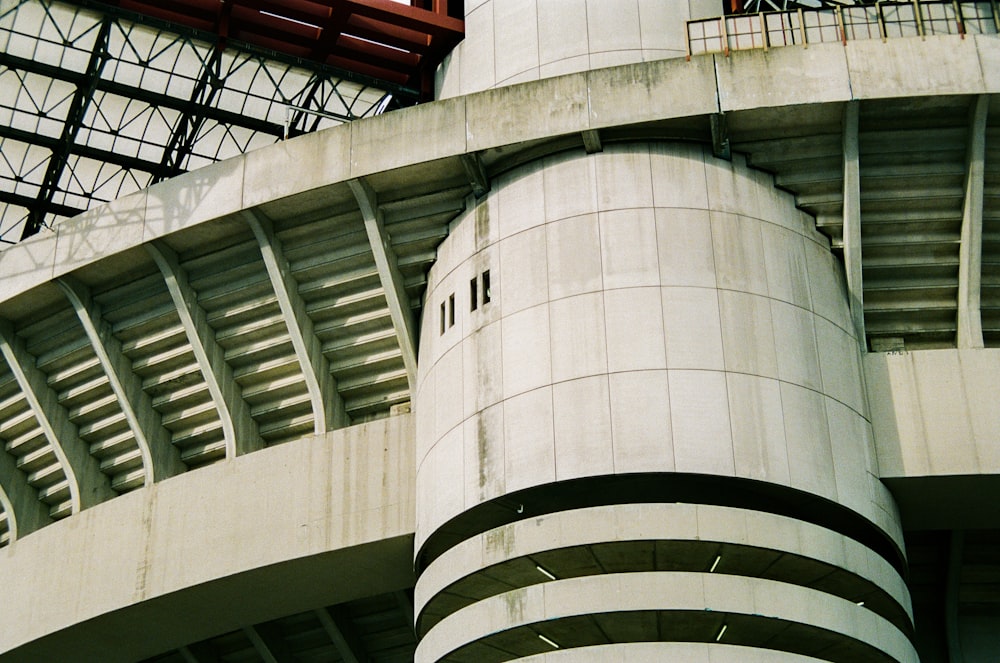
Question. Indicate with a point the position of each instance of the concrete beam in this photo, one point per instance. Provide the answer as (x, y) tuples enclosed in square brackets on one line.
[(337, 624), (476, 172), (388, 272), (160, 458), (970, 325), (852, 222), (327, 405), (25, 513), (268, 648), (239, 429), (87, 484)]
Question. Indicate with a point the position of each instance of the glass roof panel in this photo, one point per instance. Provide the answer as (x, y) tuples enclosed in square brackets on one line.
[(97, 102)]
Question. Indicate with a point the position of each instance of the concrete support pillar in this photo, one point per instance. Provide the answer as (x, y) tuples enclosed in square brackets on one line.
[(239, 428), (852, 222), (328, 408), (666, 346), (389, 276), (87, 484), (970, 325), (25, 513), (160, 459)]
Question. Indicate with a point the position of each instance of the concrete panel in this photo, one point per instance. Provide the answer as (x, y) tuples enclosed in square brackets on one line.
[(441, 490), (527, 358), (478, 56), (810, 460), (678, 173), (449, 375), (747, 334), (563, 67), (795, 345), (574, 256), (759, 446), (432, 131), (640, 422), (570, 187), (699, 412), (785, 263), (525, 270), (547, 108), (739, 253), (582, 424), (521, 200), (684, 246), (663, 26), (693, 328), (634, 328), (101, 231), (316, 159), (628, 248), (561, 24), (639, 92), (191, 198), (827, 286), (529, 441), (840, 365), (623, 178), (852, 447), (482, 361), (484, 456), (757, 78), (613, 26), (880, 70), (579, 342), (515, 38)]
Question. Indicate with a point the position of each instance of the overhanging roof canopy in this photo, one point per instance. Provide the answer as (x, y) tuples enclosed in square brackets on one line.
[(101, 99)]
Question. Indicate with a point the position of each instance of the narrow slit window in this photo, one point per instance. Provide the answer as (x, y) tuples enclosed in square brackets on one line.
[(442, 317), (451, 310), (473, 294), (486, 287)]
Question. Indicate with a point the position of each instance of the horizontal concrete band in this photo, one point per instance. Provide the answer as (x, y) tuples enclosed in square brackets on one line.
[(438, 133), (659, 537), (659, 652), (665, 606), (643, 488), (316, 521)]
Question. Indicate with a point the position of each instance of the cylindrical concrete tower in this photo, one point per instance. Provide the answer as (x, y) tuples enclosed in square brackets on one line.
[(643, 433), (513, 41), (642, 420)]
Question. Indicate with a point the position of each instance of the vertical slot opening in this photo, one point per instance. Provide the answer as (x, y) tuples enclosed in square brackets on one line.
[(486, 287), (473, 294), (442, 317), (451, 310)]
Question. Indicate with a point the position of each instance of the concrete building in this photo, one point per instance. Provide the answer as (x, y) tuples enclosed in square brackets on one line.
[(657, 336)]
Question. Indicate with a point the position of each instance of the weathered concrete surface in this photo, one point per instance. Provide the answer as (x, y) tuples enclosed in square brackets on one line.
[(308, 523)]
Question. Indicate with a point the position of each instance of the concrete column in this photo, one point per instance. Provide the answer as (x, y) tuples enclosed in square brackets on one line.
[(970, 266), (662, 327)]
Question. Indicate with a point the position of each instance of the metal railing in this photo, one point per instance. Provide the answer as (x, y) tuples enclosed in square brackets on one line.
[(883, 20)]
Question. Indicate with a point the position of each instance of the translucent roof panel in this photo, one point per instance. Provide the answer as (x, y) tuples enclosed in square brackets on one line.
[(101, 99)]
